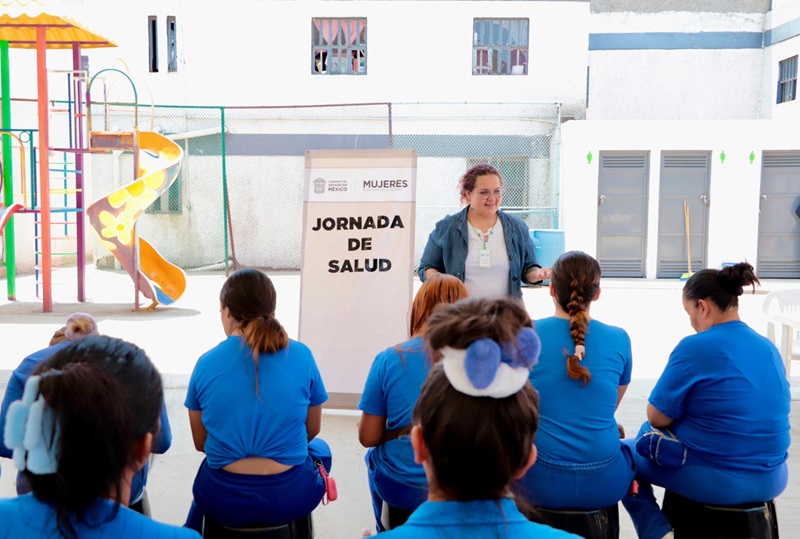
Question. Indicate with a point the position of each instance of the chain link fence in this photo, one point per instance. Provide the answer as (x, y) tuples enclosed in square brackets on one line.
[(238, 200)]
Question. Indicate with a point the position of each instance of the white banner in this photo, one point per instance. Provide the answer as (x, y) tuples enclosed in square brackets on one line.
[(358, 261)]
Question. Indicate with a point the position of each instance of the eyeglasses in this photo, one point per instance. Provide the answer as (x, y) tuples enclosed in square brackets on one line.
[(484, 194)]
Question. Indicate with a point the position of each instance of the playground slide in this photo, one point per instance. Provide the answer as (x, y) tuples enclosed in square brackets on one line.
[(114, 216), (5, 214)]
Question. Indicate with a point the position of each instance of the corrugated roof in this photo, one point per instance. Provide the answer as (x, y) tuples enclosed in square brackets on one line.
[(61, 32)]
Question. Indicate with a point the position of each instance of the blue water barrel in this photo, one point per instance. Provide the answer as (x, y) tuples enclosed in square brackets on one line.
[(548, 245)]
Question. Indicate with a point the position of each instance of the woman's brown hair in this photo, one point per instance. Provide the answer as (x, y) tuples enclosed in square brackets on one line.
[(438, 288), (722, 287), (576, 280), (460, 430), (467, 182), (250, 298)]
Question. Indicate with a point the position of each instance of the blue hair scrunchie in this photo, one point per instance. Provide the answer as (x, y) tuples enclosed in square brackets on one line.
[(485, 356)]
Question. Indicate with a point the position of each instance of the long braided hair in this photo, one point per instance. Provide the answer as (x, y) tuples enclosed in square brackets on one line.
[(576, 280)]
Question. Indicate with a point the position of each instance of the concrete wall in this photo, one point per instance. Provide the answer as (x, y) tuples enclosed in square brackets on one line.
[(675, 65), (783, 41), (259, 53), (734, 186)]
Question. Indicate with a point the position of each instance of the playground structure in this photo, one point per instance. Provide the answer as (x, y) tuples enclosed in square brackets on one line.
[(113, 217)]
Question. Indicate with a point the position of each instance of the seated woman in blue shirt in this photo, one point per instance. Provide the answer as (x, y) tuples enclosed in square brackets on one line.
[(582, 374), (255, 407), (391, 390), (725, 397), (78, 326), (83, 427), (475, 422)]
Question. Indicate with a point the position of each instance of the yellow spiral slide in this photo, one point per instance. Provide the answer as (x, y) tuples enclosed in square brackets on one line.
[(113, 217)]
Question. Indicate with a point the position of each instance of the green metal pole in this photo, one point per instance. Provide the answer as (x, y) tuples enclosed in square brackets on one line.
[(225, 216), (8, 183)]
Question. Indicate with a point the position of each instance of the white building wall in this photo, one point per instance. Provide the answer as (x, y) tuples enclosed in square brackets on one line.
[(783, 20), (247, 52), (734, 186), (682, 84)]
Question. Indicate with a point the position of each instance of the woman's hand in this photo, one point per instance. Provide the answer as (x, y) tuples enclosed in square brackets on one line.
[(534, 275)]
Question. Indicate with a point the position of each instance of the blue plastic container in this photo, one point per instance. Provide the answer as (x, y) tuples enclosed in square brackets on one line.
[(548, 245)]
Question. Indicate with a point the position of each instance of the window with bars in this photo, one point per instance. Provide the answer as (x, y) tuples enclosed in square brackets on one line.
[(787, 80), (152, 41), (514, 171), (339, 46), (500, 47), (172, 45)]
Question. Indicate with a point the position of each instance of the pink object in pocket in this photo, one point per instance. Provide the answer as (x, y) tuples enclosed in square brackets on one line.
[(330, 485)]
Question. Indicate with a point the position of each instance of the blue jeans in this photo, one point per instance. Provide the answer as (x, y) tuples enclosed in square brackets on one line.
[(384, 487), (698, 481), (240, 500), (568, 485)]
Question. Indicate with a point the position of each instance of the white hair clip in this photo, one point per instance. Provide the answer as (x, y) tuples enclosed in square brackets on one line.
[(32, 431), (489, 369)]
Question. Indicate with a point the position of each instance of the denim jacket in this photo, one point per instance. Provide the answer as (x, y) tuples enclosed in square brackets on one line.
[(447, 246)]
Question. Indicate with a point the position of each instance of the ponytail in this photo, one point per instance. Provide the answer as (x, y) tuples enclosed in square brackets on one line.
[(265, 335)]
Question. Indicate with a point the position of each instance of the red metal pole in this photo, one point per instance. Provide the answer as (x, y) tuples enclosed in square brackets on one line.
[(44, 166)]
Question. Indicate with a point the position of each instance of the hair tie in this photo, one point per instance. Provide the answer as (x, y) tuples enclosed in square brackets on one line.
[(32, 430), (489, 369), (77, 335), (580, 351)]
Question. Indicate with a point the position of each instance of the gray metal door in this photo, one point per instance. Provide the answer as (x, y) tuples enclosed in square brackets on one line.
[(778, 222), (684, 177), (621, 213)]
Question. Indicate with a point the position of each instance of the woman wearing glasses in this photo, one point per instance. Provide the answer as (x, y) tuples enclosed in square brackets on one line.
[(488, 249)]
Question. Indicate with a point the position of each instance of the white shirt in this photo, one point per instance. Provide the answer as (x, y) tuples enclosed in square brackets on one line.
[(486, 281)]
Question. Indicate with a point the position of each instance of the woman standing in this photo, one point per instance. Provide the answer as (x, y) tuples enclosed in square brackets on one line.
[(475, 422), (583, 372), (489, 250), (391, 390), (724, 396), (255, 407)]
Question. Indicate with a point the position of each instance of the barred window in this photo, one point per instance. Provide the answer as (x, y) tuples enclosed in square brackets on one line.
[(152, 43), (339, 46), (787, 80), (500, 47), (172, 45)]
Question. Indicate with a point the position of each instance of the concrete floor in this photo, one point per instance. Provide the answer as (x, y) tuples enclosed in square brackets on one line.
[(649, 310)]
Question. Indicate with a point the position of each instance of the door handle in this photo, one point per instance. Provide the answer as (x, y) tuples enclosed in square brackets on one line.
[(601, 200), (704, 198)]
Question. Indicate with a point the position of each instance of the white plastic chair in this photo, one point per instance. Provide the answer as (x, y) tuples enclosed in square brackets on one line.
[(783, 302)]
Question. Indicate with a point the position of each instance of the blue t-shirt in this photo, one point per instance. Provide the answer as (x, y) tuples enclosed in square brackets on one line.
[(242, 423), (25, 517), (479, 518), (16, 386), (391, 391), (727, 392), (577, 422)]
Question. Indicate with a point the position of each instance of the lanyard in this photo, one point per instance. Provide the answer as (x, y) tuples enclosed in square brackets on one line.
[(484, 237)]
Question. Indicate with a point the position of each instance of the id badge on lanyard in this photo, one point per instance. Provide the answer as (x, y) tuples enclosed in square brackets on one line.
[(484, 259)]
